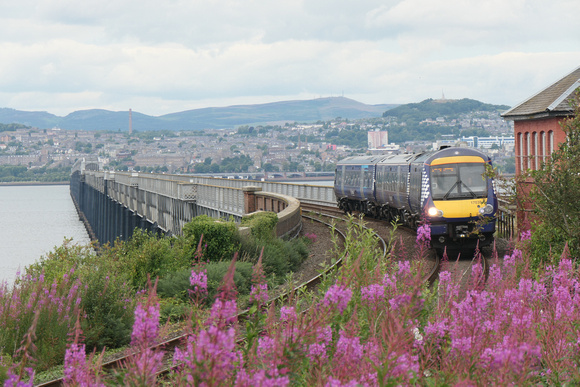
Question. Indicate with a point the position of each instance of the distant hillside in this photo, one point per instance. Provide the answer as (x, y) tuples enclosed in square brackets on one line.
[(416, 121), (208, 118), (431, 108)]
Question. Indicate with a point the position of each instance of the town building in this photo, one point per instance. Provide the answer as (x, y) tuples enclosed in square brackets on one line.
[(537, 128), (538, 132)]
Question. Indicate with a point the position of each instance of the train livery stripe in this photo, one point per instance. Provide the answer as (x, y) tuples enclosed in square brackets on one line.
[(457, 159)]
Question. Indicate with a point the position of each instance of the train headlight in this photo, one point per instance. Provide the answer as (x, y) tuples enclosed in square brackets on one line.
[(433, 211), (486, 210)]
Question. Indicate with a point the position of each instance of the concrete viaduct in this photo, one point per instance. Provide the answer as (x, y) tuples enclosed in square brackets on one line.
[(113, 204)]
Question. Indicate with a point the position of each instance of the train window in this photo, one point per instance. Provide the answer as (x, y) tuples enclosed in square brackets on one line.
[(462, 180)]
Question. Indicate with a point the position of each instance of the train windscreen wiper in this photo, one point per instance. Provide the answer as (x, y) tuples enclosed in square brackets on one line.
[(470, 191), (446, 196)]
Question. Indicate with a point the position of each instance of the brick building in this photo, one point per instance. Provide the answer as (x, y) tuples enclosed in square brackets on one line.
[(537, 129)]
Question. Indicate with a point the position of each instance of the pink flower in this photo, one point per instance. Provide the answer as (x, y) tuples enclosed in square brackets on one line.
[(287, 313), (199, 281), (338, 296), (259, 293), (75, 365)]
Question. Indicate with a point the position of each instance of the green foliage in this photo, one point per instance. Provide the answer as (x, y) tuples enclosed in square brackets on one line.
[(12, 127), (430, 108), (146, 255), (556, 185), (240, 163), (279, 257), (262, 224), (12, 173), (177, 284), (220, 238), (546, 245), (355, 138), (106, 295)]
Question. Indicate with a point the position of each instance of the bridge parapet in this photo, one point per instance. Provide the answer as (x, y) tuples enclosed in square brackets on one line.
[(117, 202)]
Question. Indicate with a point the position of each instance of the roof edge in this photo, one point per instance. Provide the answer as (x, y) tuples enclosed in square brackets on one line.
[(507, 113)]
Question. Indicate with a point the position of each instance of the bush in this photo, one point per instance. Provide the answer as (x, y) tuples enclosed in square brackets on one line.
[(220, 238), (177, 284), (262, 224), (145, 254), (105, 292), (280, 257)]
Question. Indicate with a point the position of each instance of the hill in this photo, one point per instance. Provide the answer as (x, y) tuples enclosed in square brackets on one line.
[(207, 118), (431, 108), (422, 121)]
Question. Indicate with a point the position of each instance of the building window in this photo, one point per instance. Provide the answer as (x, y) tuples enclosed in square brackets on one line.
[(551, 135), (528, 151), (543, 145), (536, 159), (521, 152)]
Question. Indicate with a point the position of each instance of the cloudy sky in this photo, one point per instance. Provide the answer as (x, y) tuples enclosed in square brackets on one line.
[(164, 56)]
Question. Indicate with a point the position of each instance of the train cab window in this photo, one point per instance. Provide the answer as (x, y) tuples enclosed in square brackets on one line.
[(461, 180)]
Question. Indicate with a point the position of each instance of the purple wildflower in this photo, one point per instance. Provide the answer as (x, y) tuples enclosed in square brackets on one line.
[(222, 312), (259, 293), (339, 296), (526, 235), (76, 371), (262, 378), (287, 313), (424, 235), (209, 355), (199, 281), (146, 326), (14, 380), (373, 294)]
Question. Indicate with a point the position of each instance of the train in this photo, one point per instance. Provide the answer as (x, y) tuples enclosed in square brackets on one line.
[(448, 189)]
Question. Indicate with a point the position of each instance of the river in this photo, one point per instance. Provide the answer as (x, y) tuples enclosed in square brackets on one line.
[(35, 219)]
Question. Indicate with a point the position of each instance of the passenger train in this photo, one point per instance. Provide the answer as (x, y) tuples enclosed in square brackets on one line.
[(447, 189)]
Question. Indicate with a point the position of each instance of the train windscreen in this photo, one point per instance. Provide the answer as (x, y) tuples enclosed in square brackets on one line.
[(460, 180)]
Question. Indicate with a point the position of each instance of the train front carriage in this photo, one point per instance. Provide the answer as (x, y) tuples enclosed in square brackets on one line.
[(458, 199)]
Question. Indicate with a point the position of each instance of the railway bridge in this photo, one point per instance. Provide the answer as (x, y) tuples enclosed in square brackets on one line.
[(113, 204)]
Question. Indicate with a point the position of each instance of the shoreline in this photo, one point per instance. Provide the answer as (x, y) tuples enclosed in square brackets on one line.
[(24, 183)]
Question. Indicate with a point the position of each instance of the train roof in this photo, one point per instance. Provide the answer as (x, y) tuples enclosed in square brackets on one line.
[(456, 151), (399, 159), (361, 160), (412, 157)]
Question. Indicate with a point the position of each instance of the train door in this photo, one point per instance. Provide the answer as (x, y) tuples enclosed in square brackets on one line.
[(415, 179), (339, 180)]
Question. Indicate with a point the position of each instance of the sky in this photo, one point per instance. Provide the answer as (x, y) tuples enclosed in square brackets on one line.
[(164, 56)]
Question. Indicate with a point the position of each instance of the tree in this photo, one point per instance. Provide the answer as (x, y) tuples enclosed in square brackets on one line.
[(554, 195)]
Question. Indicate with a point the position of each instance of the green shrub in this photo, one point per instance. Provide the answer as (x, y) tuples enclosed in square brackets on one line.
[(546, 245), (279, 258), (262, 224), (220, 238), (177, 284), (145, 254), (107, 297)]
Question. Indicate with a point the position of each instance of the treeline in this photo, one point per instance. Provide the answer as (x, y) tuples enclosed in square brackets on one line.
[(239, 163), (17, 173), (430, 108), (12, 127)]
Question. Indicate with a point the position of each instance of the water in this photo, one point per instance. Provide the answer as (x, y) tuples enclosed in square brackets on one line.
[(35, 219)]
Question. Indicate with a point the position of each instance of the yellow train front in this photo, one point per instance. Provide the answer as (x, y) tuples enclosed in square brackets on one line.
[(447, 189), (458, 199)]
